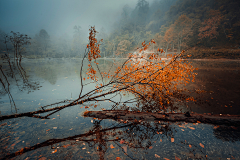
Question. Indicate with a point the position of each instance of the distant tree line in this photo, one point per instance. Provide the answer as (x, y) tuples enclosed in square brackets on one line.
[(174, 24), (44, 46)]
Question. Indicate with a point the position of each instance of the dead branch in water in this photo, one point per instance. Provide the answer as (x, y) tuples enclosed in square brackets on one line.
[(220, 119)]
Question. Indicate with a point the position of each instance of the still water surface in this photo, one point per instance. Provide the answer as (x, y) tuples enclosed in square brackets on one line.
[(67, 135)]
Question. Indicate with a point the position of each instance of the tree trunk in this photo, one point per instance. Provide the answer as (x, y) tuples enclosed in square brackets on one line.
[(230, 120)]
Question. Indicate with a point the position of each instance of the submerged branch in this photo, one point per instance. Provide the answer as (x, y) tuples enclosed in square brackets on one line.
[(80, 137)]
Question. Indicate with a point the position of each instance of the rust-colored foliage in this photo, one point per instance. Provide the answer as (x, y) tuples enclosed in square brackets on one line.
[(201, 145), (111, 146), (152, 79), (93, 45), (54, 151), (93, 52), (210, 26), (148, 77)]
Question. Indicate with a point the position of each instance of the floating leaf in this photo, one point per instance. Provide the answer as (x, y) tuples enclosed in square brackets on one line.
[(191, 128), (54, 151), (176, 158), (13, 144), (111, 146), (157, 156), (3, 124), (201, 145), (125, 148), (121, 141), (65, 146)]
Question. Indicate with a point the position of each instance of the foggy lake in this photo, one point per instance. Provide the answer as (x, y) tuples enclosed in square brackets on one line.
[(120, 79), (67, 135)]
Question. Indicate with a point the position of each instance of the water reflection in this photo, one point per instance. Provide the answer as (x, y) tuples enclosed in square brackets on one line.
[(104, 139), (14, 76), (132, 140), (227, 133), (128, 137), (220, 80), (11, 69)]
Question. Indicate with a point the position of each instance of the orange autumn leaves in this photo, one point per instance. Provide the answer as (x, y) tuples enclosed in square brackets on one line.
[(93, 53), (93, 46), (144, 76), (154, 79)]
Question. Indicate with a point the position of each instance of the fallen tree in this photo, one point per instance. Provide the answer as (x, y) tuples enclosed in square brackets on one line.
[(157, 85), (220, 119)]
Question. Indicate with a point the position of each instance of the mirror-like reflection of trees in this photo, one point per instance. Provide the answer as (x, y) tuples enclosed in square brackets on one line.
[(47, 73), (12, 71), (128, 136), (125, 139)]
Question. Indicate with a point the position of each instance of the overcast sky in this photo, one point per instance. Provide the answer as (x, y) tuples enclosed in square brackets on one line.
[(58, 17)]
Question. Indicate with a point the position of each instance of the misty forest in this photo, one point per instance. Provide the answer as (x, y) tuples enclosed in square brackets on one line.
[(108, 79)]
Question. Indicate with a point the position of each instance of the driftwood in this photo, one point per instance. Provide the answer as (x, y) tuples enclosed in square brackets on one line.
[(220, 119)]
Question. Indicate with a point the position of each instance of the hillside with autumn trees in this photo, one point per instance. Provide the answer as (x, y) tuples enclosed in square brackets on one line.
[(205, 28)]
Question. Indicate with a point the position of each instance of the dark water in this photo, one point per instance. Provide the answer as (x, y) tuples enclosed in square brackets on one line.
[(221, 81), (67, 135)]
